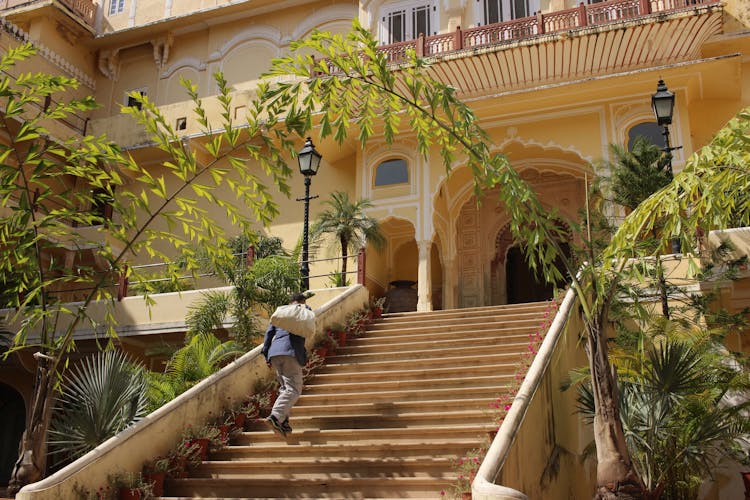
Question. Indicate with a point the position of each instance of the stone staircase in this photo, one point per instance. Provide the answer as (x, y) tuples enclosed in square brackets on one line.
[(385, 417)]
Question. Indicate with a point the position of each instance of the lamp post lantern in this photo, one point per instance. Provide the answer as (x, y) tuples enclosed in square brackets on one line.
[(309, 163), (662, 102)]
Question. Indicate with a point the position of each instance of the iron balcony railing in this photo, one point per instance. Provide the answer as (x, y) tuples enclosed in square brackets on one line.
[(518, 29)]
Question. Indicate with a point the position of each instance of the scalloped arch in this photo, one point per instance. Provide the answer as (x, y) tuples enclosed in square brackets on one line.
[(266, 33), (185, 62), (327, 16)]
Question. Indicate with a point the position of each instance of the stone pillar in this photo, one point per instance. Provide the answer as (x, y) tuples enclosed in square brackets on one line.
[(449, 283), (424, 277)]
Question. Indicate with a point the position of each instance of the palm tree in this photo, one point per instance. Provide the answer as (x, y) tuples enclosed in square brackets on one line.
[(204, 355), (676, 409), (101, 396), (350, 226), (268, 283), (638, 173)]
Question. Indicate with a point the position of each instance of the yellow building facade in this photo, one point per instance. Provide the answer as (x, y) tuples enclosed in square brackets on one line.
[(554, 82)]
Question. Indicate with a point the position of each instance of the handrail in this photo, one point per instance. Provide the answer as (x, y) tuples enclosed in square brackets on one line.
[(483, 487)]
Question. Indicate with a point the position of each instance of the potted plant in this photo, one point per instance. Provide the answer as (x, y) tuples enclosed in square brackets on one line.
[(377, 307), (154, 473), (130, 486), (181, 458), (204, 437)]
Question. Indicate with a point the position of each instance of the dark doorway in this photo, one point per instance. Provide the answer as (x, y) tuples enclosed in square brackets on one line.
[(12, 424), (523, 283)]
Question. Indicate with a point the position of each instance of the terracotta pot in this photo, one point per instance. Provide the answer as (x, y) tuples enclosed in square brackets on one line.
[(178, 467), (321, 352), (157, 482), (224, 432), (746, 481), (341, 339), (466, 495), (128, 494), (202, 447), (239, 420), (492, 434)]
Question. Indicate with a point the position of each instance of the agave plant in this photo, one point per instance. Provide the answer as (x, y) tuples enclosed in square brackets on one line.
[(100, 397)]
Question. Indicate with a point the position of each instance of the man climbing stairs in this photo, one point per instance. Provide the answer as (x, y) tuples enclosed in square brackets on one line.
[(386, 417)]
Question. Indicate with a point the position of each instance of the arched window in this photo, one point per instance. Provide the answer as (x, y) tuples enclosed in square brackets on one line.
[(392, 171), (649, 130)]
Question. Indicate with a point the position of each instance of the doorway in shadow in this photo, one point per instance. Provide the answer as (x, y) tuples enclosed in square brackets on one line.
[(524, 284), (12, 424)]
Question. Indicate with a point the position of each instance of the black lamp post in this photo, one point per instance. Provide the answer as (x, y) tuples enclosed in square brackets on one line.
[(309, 162), (663, 104)]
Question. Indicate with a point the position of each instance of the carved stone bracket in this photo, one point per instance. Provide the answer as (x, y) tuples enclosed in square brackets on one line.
[(109, 63), (162, 46)]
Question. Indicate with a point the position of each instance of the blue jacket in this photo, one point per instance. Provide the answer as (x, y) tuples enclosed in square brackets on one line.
[(279, 342)]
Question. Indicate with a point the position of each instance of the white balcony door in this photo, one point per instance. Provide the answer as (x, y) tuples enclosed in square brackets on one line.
[(495, 11), (406, 20)]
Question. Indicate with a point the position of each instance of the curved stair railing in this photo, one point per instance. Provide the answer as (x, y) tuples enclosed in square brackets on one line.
[(527, 457), (160, 431)]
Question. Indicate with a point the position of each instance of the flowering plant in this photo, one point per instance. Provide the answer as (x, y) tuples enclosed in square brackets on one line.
[(466, 468)]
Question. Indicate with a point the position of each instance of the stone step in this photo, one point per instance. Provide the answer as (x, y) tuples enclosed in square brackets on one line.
[(464, 347), (372, 419), (373, 435), (392, 407), (422, 359), (531, 317), (329, 377), (325, 395), (322, 486), (368, 344), (458, 329), (439, 445), (506, 309), (311, 467)]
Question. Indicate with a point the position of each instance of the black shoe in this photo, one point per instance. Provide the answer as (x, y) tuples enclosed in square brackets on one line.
[(285, 425), (275, 426)]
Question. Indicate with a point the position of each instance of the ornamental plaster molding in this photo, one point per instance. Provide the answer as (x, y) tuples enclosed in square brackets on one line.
[(162, 46), (548, 146), (185, 62), (376, 153), (626, 115), (48, 54), (263, 32), (324, 17), (109, 63)]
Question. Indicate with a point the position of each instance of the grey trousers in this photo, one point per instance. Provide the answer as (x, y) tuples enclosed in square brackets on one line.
[(289, 375)]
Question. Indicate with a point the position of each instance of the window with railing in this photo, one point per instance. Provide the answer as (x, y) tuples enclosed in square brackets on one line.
[(496, 11), (116, 6), (407, 20)]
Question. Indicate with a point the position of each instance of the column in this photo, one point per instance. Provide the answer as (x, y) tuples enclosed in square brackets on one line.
[(424, 277)]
